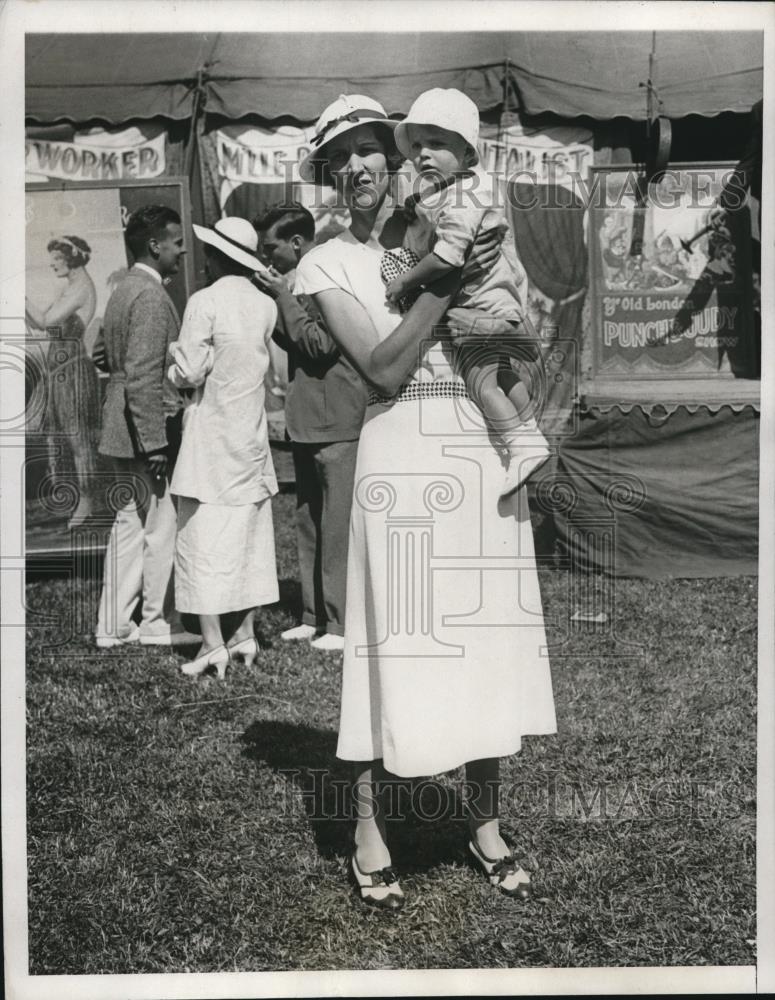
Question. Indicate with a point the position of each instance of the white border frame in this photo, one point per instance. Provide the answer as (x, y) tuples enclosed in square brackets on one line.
[(18, 16)]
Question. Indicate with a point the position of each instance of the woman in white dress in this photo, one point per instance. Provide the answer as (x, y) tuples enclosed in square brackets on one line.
[(445, 653), (224, 478)]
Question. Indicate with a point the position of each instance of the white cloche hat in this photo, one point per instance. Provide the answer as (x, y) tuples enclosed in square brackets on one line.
[(448, 109), (347, 112), (236, 238)]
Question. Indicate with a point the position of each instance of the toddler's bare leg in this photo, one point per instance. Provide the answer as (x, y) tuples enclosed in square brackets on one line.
[(508, 409), (481, 377), (516, 383), (498, 409)]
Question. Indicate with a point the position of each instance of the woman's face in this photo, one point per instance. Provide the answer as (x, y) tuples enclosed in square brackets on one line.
[(59, 264), (357, 162)]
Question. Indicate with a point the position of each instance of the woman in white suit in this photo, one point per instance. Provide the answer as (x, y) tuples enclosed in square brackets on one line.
[(224, 478)]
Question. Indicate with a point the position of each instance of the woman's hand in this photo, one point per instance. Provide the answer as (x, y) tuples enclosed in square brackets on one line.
[(395, 290), (484, 253), (271, 282)]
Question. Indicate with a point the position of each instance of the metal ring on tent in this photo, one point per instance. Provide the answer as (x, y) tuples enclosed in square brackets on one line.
[(663, 137)]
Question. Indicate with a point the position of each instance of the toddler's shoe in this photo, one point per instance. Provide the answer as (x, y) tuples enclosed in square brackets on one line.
[(527, 454), (521, 468)]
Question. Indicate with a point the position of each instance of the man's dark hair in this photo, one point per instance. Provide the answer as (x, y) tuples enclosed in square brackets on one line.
[(148, 223), (297, 221)]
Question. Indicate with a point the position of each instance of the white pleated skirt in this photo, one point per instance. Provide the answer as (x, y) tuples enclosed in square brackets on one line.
[(445, 655), (224, 557)]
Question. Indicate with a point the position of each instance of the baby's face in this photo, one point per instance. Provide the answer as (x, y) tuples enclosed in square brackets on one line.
[(435, 150)]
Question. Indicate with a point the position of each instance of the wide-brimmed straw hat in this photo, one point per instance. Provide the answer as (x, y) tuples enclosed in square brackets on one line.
[(346, 113), (236, 238), (448, 109)]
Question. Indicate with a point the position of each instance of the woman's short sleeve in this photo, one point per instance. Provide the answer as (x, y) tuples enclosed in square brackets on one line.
[(316, 273)]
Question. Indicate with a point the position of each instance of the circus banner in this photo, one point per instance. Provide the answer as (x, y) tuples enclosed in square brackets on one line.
[(560, 154), (252, 167), (96, 156), (671, 278)]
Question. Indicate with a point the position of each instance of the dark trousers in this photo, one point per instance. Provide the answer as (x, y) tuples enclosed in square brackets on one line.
[(325, 475)]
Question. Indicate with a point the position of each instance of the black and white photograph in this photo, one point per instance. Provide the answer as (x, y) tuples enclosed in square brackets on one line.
[(387, 498)]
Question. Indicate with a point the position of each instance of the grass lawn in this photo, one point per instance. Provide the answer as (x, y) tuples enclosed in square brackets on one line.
[(177, 826)]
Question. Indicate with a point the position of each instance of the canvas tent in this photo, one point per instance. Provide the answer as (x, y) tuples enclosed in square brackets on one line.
[(693, 452), (597, 74)]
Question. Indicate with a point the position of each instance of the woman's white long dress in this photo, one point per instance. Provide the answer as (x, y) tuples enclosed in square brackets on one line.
[(224, 478), (445, 656)]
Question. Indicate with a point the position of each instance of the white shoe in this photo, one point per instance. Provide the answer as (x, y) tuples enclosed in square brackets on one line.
[(177, 638), (218, 658), (299, 632), (329, 643), (522, 464), (111, 641), (246, 650)]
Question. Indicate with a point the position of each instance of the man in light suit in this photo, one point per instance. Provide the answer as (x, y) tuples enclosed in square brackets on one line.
[(324, 412), (140, 432)]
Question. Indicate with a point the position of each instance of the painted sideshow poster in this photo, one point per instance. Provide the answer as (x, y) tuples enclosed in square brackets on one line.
[(74, 254), (671, 277)]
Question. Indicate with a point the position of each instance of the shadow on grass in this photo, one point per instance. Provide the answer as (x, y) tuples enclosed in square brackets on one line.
[(426, 827)]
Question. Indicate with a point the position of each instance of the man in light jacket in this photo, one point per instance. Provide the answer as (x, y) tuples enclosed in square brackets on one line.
[(140, 434)]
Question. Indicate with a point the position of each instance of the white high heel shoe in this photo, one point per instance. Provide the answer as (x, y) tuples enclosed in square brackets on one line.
[(245, 649), (218, 658)]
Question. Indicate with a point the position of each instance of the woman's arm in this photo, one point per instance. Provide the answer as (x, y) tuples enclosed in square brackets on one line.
[(385, 365), (429, 269), (60, 310), (193, 352), (34, 315)]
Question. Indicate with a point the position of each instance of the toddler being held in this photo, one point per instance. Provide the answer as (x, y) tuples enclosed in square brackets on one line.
[(455, 202)]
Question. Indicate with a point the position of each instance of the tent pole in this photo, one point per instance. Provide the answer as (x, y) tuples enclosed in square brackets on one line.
[(505, 130), (189, 161), (650, 86)]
